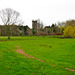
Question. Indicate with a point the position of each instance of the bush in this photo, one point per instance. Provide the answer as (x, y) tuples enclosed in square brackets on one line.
[(62, 29), (58, 33), (69, 31)]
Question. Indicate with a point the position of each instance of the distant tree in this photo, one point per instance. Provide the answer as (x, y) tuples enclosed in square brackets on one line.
[(57, 29), (10, 17), (48, 30), (14, 30), (70, 23), (69, 28), (33, 31), (62, 29), (53, 26), (69, 31), (61, 24), (25, 30)]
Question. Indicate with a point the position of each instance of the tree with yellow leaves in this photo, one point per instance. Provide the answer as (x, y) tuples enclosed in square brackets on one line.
[(61, 29), (69, 31)]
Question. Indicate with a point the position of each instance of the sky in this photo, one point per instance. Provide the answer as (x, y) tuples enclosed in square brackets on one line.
[(48, 11)]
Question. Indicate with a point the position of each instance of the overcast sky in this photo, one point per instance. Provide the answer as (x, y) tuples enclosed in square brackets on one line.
[(48, 11)]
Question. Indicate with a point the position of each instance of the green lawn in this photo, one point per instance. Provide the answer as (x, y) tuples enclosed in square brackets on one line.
[(58, 54)]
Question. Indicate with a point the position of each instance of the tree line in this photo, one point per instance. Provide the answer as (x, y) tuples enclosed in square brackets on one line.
[(14, 30), (13, 25)]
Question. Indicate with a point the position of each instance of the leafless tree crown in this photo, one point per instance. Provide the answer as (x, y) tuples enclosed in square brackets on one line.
[(10, 17)]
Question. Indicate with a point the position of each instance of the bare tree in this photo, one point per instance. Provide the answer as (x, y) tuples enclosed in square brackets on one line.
[(10, 17)]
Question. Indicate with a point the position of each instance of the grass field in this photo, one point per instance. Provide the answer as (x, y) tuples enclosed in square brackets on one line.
[(37, 56)]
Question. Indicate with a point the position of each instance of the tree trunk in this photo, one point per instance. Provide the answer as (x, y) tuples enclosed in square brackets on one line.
[(8, 37), (8, 32)]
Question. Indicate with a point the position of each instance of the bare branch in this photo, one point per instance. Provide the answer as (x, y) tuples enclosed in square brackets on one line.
[(10, 17)]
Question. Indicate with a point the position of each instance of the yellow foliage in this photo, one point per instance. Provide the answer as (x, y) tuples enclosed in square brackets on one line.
[(62, 29), (69, 31)]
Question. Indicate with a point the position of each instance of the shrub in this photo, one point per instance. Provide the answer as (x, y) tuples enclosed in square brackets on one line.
[(69, 31), (58, 33), (62, 29)]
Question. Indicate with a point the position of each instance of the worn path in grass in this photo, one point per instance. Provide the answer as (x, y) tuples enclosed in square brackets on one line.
[(27, 55)]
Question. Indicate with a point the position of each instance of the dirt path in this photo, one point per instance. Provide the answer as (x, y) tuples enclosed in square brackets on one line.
[(70, 69), (27, 55)]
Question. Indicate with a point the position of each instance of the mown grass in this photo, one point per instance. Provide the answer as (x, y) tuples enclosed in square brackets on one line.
[(57, 53)]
